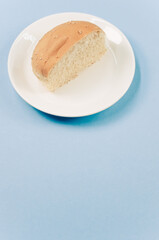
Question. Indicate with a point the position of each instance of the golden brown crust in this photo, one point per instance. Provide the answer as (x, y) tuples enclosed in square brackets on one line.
[(55, 43)]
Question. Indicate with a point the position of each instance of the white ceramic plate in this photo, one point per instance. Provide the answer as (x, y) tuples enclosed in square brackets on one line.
[(94, 90)]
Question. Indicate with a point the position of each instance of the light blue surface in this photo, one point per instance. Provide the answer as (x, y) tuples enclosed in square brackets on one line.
[(92, 178)]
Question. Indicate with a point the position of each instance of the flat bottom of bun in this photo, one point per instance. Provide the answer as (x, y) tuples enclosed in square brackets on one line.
[(83, 54)]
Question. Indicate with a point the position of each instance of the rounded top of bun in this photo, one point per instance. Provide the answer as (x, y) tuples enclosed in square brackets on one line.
[(55, 43)]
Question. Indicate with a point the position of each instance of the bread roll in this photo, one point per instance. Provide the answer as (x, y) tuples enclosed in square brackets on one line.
[(65, 51)]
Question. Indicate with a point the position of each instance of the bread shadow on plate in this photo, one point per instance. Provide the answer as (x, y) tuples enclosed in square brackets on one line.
[(111, 114)]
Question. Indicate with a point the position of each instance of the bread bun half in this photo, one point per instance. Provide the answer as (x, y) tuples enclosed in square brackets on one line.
[(65, 51)]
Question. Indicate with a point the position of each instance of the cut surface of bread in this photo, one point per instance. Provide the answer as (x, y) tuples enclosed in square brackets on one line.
[(67, 50)]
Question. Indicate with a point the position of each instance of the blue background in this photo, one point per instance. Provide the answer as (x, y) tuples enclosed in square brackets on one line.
[(92, 178)]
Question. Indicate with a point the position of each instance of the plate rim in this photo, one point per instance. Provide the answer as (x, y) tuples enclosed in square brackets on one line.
[(69, 115)]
